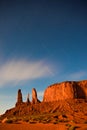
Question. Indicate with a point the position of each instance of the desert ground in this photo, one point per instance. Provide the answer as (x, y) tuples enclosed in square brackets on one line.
[(40, 126), (31, 127)]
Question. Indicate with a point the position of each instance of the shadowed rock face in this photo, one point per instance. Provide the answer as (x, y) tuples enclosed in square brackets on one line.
[(28, 100), (82, 89), (34, 96), (66, 90), (19, 99)]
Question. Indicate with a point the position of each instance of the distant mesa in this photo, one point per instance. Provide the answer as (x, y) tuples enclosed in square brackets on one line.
[(66, 90)]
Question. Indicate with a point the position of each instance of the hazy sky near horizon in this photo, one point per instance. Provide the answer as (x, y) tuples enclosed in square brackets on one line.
[(41, 42)]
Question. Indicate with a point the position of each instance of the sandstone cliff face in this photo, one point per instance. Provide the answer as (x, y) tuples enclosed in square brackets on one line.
[(82, 89), (66, 90)]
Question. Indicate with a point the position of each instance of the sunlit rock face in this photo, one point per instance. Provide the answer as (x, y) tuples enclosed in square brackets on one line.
[(34, 96), (66, 90)]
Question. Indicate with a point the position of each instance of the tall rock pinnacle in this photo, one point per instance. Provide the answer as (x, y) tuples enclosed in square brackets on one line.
[(34, 96), (19, 97), (28, 100)]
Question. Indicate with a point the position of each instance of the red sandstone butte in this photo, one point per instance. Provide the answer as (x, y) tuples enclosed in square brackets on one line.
[(66, 90)]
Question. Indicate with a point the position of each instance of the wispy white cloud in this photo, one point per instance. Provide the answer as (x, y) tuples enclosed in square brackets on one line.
[(15, 71), (77, 75)]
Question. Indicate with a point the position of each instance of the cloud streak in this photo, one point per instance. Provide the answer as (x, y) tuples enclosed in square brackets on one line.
[(15, 71), (77, 75)]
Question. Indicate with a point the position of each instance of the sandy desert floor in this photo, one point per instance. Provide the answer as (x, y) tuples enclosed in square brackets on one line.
[(31, 127), (40, 126)]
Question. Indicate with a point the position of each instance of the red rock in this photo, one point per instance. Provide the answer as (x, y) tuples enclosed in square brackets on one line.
[(19, 97), (66, 90), (28, 100), (34, 96)]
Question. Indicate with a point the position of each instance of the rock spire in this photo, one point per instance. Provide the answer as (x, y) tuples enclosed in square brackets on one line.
[(34, 96), (19, 97), (28, 100)]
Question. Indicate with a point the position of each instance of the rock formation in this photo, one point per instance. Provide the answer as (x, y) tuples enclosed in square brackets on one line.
[(54, 102), (66, 90), (28, 100), (19, 97), (59, 91), (34, 96), (82, 89)]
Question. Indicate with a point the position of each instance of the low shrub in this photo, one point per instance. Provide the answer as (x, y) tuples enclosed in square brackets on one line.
[(9, 121), (72, 128), (85, 122)]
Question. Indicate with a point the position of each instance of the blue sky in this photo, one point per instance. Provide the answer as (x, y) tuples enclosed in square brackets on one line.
[(41, 43)]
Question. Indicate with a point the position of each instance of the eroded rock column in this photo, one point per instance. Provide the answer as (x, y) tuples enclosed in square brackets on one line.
[(19, 97), (34, 96), (28, 100)]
